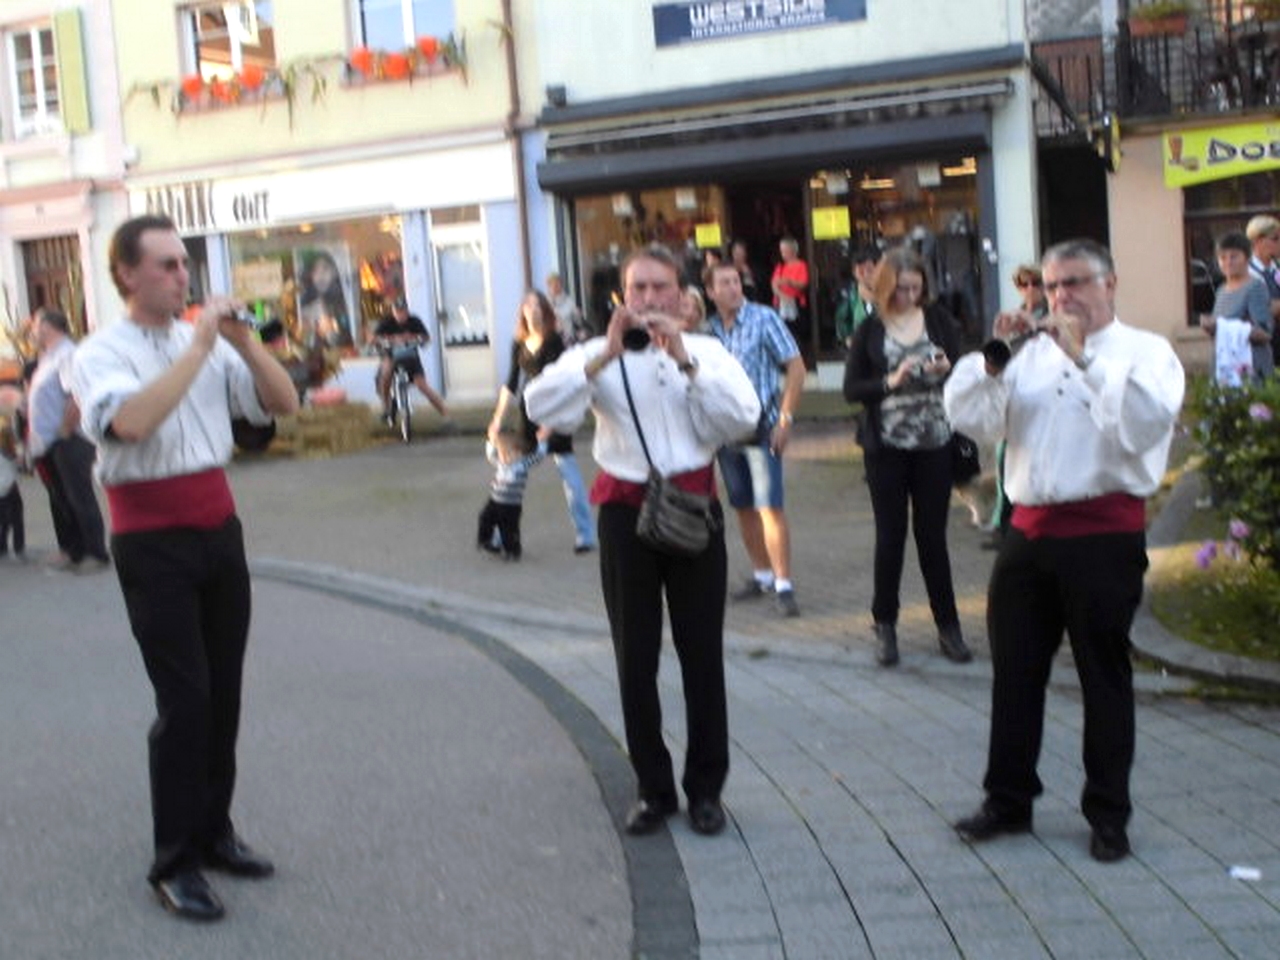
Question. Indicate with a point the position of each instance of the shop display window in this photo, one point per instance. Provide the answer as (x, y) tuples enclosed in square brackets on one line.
[(1211, 210), (931, 204), (610, 227), (319, 290)]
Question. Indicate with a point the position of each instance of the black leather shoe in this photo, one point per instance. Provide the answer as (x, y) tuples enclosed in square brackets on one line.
[(187, 894), (647, 816), (953, 645), (1108, 844), (232, 855), (706, 816), (886, 644), (986, 823)]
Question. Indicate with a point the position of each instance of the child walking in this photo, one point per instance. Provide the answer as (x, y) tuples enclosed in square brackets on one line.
[(501, 512), (11, 515)]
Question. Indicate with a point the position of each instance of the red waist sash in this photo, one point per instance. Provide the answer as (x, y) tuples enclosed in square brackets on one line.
[(199, 500), (1110, 513), (610, 489)]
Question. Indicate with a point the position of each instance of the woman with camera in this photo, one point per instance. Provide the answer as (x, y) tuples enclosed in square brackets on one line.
[(899, 359)]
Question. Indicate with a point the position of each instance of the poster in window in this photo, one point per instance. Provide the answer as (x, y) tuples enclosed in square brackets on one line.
[(324, 301)]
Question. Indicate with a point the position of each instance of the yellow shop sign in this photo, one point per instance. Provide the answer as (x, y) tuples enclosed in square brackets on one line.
[(1198, 156)]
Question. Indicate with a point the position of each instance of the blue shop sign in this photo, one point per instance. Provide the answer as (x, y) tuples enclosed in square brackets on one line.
[(690, 21)]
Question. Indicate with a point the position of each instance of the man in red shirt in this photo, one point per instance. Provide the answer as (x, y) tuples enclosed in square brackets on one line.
[(791, 290)]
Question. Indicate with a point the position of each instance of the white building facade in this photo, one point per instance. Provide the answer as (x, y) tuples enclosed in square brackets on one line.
[(841, 123)]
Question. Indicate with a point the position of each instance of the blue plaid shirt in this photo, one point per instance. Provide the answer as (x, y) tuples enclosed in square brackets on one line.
[(763, 345)]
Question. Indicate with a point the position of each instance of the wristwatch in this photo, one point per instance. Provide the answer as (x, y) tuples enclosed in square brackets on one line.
[(786, 418)]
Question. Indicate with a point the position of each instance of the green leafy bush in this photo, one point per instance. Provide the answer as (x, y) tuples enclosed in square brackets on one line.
[(1238, 428)]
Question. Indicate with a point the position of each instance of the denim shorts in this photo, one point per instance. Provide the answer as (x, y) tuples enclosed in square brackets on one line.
[(752, 476)]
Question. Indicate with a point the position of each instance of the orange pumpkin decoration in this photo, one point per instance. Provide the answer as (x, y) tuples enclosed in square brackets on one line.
[(362, 60), (192, 86), (396, 66), (429, 47), (252, 77)]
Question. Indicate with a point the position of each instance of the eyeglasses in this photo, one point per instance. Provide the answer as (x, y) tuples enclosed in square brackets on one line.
[(1070, 284), (1027, 282)]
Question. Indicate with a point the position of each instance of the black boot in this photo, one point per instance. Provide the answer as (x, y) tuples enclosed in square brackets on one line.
[(953, 645), (887, 638)]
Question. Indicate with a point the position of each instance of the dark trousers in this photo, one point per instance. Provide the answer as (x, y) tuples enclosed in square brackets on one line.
[(1088, 587), (12, 520), (187, 595), (918, 481), (67, 471), (635, 579), (505, 518)]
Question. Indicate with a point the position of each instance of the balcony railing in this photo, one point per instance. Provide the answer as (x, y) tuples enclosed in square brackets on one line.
[(1214, 66)]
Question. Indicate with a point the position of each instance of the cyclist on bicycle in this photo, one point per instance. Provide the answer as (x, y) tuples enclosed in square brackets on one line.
[(404, 332)]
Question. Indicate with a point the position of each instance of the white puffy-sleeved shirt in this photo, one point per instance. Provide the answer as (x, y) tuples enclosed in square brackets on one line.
[(118, 361), (1075, 435), (685, 420)]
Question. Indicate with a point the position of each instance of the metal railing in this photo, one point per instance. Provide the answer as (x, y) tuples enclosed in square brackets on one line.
[(1217, 64)]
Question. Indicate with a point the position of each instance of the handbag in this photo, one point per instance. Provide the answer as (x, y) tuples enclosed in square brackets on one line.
[(671, 520), (964, 459)]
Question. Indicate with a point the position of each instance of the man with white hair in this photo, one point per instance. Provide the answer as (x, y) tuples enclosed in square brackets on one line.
[(1087, 407)]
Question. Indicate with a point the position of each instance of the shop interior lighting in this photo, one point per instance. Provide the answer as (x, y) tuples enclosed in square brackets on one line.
[(968, 168), (305, 228), (881, 183)]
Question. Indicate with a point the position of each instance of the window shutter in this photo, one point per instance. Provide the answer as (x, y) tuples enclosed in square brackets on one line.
[(73, 81)]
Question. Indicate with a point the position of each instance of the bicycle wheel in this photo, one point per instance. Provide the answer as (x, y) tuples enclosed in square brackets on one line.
[(405, 413)]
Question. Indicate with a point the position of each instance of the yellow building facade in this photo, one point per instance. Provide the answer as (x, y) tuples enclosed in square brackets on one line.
[(325, 157)]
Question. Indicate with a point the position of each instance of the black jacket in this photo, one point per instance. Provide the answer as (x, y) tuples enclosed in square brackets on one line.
[(866, 368)]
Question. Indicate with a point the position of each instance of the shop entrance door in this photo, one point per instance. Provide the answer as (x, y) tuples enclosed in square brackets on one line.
[(463, 311)]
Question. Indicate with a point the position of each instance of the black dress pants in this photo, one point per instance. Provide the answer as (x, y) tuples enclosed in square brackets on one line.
[(188, 599), (1088, 587), (921, 481), (635, 579), (77, 518)]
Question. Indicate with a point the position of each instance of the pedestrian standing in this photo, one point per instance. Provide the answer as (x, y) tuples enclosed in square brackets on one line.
[(690, 396), (1088, 408), (158, 397), (60, 453), (536, 343), (12, 516), (752, 467), (901, 355)]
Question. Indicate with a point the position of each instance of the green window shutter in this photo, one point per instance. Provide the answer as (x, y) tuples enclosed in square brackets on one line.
[(73, 82)]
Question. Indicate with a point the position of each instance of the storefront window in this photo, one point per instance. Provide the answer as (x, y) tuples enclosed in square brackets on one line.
[(1211, 210), (610, 227), (931, 204), (321, 287)]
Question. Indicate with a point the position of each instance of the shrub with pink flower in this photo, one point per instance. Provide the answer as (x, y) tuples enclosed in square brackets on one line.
[(1239, 434)]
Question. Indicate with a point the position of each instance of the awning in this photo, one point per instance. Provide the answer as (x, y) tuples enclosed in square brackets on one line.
[(795, 137)]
